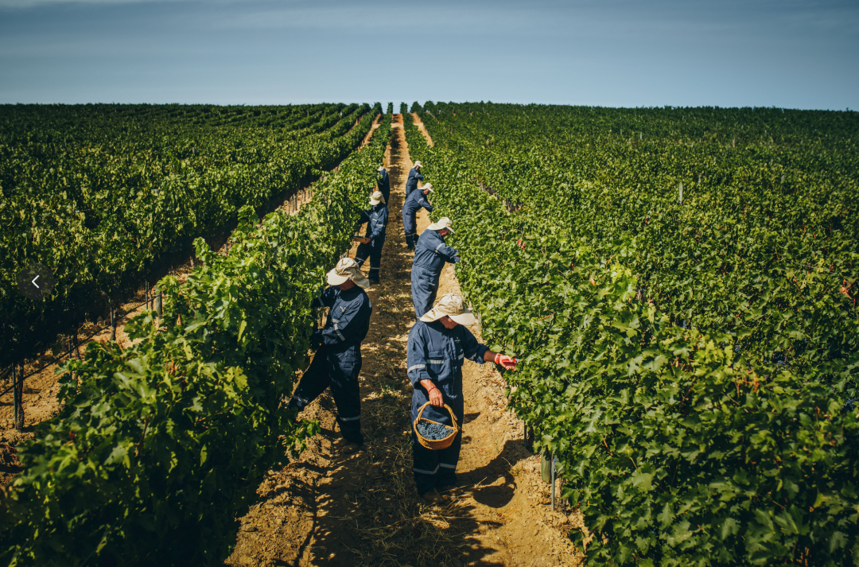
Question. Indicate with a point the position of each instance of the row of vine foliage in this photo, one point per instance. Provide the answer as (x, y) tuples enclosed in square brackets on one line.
[(685, 436), (102, 193), (159, 446)]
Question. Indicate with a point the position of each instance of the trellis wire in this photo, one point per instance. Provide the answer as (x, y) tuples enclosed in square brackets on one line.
[(157, 304), (71, 349)]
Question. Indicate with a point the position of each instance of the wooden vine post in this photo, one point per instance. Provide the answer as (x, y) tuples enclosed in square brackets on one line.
[(75, 342), (18, 396), (69, 348), (14, 388), (112, 326)]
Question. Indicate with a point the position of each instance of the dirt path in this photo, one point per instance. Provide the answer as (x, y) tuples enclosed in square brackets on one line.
[(327, 508), (376, 122), (419, 123)]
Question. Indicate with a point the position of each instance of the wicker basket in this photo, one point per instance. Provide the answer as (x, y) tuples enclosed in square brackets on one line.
[(436, 444)]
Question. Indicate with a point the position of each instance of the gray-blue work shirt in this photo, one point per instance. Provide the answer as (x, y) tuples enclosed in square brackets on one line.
[(436, 353)]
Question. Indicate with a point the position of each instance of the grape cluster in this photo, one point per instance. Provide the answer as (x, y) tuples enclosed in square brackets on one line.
[(433, 431)]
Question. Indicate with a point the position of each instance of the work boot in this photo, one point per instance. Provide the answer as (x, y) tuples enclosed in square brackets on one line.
[(352, 448), (375, 281)]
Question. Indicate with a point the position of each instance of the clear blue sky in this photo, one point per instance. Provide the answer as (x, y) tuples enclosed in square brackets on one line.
[(783, 53)]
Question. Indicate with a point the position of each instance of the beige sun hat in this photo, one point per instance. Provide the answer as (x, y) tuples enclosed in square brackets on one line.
[(441, 223), (345, 270), (427, 187), (453, 306), (377, 198), (418, 164)]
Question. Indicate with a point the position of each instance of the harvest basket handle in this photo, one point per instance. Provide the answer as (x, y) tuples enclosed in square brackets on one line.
[(447, 407)]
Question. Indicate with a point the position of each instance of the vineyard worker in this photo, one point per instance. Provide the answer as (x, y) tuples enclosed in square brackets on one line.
[(411, 206), (438, 345), (431, 254), (383, 183), (414, 177), (377, 219), (338, 358)]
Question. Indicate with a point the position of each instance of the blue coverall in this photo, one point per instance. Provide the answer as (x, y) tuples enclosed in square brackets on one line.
[(436, 353), (430, 257), (376, 219), (338, 360), (412, 204), (383, 182), (412, 181)]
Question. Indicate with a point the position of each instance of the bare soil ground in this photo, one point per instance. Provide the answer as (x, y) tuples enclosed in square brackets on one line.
[(332, 508), (419, 123), (376, 122)]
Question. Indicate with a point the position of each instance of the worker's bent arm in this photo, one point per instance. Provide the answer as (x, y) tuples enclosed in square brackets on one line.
[(345, 325), (326, 299), (489, 356), (472, 349), (378, 227), (449, 254)]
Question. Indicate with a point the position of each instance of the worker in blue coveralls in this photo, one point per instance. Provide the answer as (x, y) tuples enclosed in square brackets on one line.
[(376, 218), (431, 254), (438, 345), (383, 183), (411, 206), (414, 177), (338, 359)]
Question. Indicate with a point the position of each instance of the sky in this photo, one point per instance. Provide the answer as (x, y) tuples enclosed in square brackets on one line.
[(617, 53)]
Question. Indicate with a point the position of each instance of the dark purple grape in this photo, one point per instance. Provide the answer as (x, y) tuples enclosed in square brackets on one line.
[(433, 431)]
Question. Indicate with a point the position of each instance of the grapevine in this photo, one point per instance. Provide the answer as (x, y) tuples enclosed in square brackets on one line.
[(671, 280)]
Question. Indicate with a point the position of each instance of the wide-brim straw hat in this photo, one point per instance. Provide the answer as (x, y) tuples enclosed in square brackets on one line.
[(453, 306), (418, 164), (442, 223), (377, 198), (427, 187), (345, 270)]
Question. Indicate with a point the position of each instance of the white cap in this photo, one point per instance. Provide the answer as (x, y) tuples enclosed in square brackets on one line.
[(345, 270), (442, 223), (453, 306), (418, 163), (381, 168), (377, 198), (427, 187)]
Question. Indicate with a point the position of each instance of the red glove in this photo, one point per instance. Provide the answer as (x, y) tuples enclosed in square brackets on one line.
[(505, 361)]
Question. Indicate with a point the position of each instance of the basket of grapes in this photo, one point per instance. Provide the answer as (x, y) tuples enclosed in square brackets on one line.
[(434, 435)]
